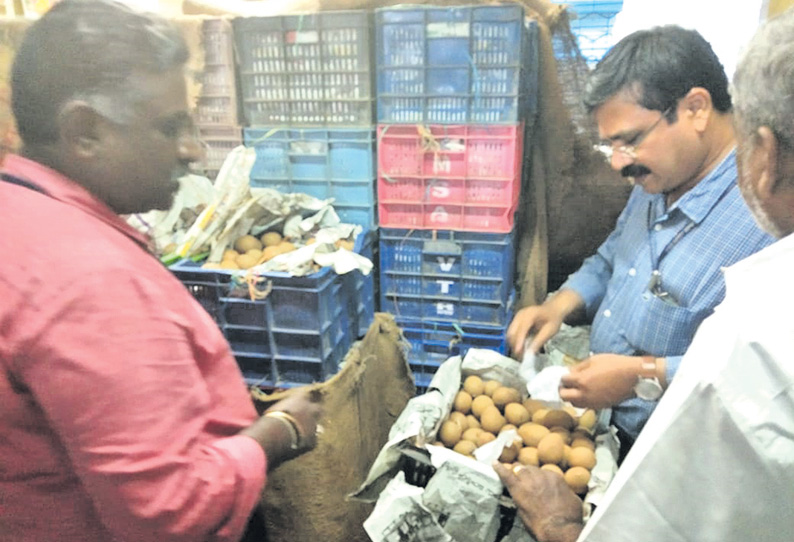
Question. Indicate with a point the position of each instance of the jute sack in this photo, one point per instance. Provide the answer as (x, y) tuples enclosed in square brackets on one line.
[(305, 499)]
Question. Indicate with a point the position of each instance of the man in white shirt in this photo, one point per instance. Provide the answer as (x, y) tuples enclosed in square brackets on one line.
[(716, 460)]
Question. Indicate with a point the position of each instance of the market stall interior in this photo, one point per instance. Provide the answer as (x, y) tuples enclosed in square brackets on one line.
[(429, 160)]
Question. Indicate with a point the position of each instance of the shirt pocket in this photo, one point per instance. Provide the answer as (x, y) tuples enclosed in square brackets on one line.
[(661, 328)]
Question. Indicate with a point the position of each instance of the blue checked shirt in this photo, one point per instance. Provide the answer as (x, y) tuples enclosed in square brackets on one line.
[(708, 228)]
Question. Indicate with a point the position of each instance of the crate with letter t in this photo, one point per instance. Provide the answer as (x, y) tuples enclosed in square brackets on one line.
[(447, 275)]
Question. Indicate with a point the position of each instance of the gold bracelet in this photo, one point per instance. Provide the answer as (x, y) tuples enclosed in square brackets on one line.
[(291, 423)]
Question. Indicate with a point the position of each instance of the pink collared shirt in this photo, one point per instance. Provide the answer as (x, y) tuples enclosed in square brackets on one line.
[(120, 401)]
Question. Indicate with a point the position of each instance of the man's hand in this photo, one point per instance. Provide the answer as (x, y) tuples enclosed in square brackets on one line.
[(542, 321), (601, 381), (539, 320), (550, 510), (288, 428), (307, 410)]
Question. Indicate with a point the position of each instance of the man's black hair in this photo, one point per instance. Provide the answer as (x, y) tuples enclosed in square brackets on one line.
[(658, 66), (82, 49)]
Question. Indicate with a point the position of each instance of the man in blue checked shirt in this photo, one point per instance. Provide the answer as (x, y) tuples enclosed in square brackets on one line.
[(660, 99)]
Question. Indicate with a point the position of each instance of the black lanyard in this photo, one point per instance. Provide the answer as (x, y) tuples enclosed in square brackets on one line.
[(23, 183), (678, 236), (655, 282)]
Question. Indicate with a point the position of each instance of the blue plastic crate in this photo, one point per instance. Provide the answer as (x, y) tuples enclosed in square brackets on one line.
[(433, 342), (303, 327), (445, 275), (451, 65), (263, 370), (591, 23), (324, 163), (362, 307), (306, 70)]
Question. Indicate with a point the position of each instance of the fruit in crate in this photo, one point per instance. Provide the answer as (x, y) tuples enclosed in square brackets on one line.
[(271, 238), (556, 439)]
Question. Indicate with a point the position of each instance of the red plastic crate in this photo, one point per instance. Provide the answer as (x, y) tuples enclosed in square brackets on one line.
[(449, 177)]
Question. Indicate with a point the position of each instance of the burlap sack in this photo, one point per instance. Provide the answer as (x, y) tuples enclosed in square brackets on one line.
[(305, 499)]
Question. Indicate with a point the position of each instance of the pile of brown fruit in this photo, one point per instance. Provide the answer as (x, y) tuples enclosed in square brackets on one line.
[(555, 439), (249, 251)]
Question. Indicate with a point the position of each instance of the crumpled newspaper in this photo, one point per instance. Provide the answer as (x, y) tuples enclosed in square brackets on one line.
[(170, 227), (463, 503), (323, 253)]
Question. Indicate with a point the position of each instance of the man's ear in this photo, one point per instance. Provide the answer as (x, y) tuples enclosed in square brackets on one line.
[(698, 107), (765, 163), (80, 127)]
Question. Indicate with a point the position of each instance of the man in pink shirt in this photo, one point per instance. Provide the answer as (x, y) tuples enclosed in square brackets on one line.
[(123, 415)]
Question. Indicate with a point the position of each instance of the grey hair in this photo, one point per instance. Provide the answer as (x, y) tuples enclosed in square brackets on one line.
[(87, 50), (763, 83)]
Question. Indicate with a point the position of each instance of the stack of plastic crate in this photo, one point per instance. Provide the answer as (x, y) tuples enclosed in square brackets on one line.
[(216, 109), (308, 107), (456, 91)]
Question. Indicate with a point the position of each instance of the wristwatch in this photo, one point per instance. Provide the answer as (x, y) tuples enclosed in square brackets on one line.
[(648, 386)]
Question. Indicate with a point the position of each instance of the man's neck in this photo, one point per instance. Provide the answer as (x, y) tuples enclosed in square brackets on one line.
[(723, 142)]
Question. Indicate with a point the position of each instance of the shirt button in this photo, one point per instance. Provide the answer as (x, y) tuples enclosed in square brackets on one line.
[(632, 272), (607, 313), (658, 227)]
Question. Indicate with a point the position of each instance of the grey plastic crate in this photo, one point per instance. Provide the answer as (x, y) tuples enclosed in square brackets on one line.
[(306, 70)]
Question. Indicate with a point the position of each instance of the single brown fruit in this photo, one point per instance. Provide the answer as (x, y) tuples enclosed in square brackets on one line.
[(463, 402), (558, 418), (588, 419), (509, 453), (285, 246), (465, 447), (484, 438), (460, 419), (504, 395), (472, 434), (491, 387), (270, 252), (580, 442), (449, 433), (577, 479), (551, 467), (551, 449), (528, 455), (492, 419), (508, 427), (474, 385), (246, 261), (230, 254), (271, 238), (582, 457), (533, 405), (566, 436), (479, 404), (516, 413), (539, 415), (532, 433), (247, 242), (254, 253)]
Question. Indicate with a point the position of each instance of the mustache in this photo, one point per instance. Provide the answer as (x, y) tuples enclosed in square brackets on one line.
[(634, 170)]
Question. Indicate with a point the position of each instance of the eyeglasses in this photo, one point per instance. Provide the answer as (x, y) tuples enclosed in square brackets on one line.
[(629, 148)]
